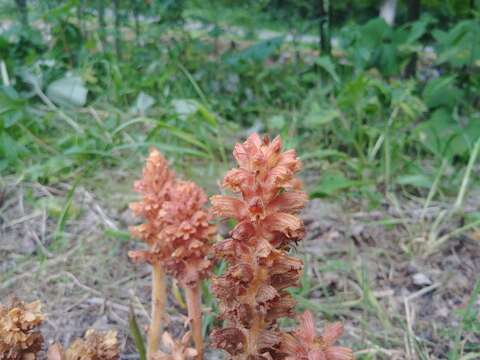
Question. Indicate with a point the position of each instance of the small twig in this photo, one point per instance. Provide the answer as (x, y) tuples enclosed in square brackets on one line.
[(137, 301), (32, 233), (37, 240), (78, 283), (22, 219), (34, 269), (117, 317), (409, 333), (121, 307), (99, 211), (38, 91), (423, 291), (97, 118), (76, 303)]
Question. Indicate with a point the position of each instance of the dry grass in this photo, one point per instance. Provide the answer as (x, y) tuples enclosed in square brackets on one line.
[(365, 268)]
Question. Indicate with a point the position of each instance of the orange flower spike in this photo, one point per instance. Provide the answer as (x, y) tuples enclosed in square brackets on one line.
[(189, 233), (155, 186), (179, 233), (263, 175), (304, 344), (252, 292)]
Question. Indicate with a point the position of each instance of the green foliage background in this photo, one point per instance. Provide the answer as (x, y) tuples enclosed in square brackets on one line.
[(192, 77)]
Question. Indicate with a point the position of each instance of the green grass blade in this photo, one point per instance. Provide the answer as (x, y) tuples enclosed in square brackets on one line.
[(136, 334), (62, 220)]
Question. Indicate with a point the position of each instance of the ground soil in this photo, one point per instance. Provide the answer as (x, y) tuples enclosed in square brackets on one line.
[(370, 275)]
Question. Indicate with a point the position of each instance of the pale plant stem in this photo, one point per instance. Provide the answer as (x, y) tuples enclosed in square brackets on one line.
[(4, 72), (159, 298), (194, 303), (434, 188), (388, 154), (38, 91), (466, 178)]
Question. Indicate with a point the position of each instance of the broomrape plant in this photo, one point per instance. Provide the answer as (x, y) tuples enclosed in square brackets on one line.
[(252, 293), (21, 339), (178, 231), (19, 334)]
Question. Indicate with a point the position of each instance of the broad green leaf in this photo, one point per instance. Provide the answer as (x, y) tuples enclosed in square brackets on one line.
[(185, 107), (442, 91), (143, 102), (417, 180), (257, 52), (319, 115), (326, 64), (332, 182), (459, 45), (68, 91)]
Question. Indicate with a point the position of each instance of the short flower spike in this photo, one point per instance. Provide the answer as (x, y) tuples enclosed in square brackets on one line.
[(94, 345), (19, 335), (305, 344), (175, 350)]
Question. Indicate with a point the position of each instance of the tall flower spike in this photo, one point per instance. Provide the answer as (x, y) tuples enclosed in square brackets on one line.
[(179, 233), (187, 232), (252, 292), (19, 335), (305, 344), (155, 187)]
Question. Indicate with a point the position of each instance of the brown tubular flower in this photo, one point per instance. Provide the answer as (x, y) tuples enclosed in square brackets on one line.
[(252, 292), (19, 335), (95, 345), (179, 233), (304, 344)]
